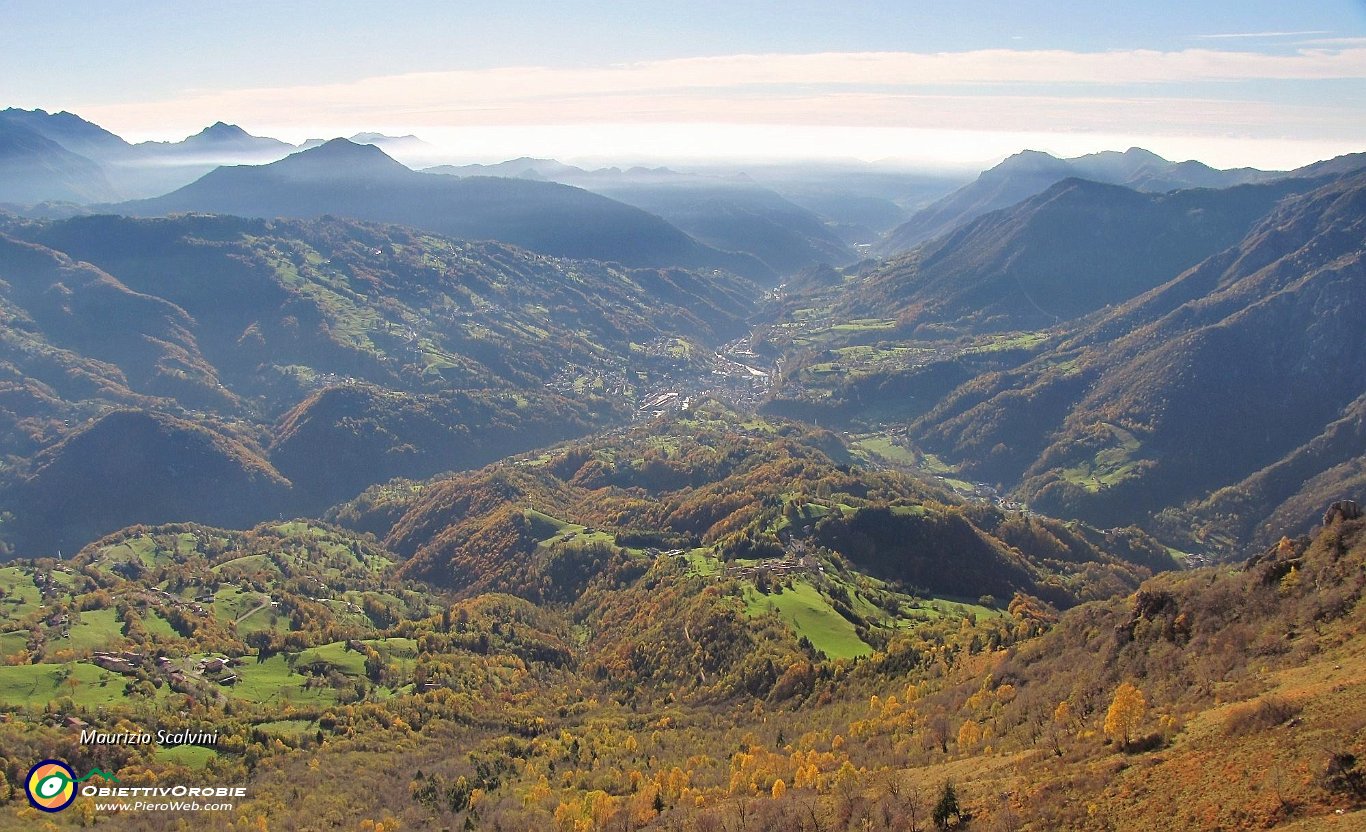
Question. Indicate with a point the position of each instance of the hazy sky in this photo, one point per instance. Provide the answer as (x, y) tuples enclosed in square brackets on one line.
[(1274, 84)]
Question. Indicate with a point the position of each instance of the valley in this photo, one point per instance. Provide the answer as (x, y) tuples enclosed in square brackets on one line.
[(536, 496)]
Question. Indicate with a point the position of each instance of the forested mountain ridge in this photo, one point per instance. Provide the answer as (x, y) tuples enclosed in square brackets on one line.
[(700, 483)]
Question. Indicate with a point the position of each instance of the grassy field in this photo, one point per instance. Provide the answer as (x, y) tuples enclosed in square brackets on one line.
[(543, 525), (251, 610), (1110, 466), (11, 643), (148, 550), (158, 626), (97, 629), (702, 562), (885, 448), (244, 565), (21, 594), (286, 727), (27, 684), (399, 653), (333, 656), (811, 615), (275, 681), (190, 756)]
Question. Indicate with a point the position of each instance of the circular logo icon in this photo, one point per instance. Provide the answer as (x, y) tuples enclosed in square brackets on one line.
[(51, 786)]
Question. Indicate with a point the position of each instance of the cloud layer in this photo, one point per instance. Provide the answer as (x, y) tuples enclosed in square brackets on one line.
[(1008, 90)]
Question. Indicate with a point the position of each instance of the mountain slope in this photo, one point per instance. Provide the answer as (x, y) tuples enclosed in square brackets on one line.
[(1150, 405), (360, 181), (71, 132), (1284, 497), (370, 435), (136, 467), (34, 169), (1077, 247)]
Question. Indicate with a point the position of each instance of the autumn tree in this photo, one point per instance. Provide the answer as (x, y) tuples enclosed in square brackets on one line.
[(1126, 714)]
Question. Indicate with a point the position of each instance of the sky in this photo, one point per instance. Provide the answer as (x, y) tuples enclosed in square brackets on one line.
[(1269, 84)]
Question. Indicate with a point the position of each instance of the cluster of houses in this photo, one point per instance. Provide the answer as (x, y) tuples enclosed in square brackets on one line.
[(732, 378), (196, 606), (129, 662), (777, 568)]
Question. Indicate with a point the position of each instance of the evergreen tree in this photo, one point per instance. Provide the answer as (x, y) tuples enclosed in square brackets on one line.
[(947, 807)]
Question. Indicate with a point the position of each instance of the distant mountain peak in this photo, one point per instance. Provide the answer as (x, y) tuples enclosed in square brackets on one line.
[(372, 138), (340, 148), (342, 158), (222, 130), (220, 134)]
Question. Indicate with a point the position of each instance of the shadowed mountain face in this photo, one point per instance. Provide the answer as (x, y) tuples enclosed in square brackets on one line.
[(1031, 172), (33, 168), (1077, 247), (77, 310), (1253, 358), (135, 466), (360, 181)]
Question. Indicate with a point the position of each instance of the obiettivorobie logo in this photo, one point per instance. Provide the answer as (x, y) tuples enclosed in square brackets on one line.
[(51, 784)]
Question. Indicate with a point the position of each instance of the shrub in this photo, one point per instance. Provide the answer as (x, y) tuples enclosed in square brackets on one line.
[(1266, 712)]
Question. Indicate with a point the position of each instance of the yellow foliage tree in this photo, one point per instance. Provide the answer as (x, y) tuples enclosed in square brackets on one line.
[(779, 789), (969, 735), (1126, 713)]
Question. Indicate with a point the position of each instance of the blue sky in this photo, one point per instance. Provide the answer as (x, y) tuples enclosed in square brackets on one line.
[(1269, 83)]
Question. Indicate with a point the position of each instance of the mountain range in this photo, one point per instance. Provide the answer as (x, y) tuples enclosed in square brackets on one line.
[(360, 181), (110, 168), (728, 213), (1252, 358), (1076, 247), (62, 164), (1030, 172)]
